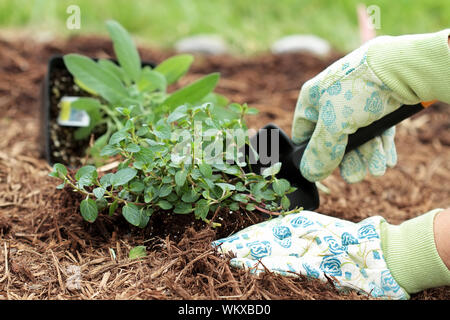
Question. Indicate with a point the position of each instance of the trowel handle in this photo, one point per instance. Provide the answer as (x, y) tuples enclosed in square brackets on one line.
[(364, 134), (376, 128)]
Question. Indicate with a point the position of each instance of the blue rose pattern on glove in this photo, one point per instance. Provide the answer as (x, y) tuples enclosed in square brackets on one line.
[(316, 245), (342, 98)]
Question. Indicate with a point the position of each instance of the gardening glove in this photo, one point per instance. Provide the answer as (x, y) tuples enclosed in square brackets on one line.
[(367, 84), (372, 256)]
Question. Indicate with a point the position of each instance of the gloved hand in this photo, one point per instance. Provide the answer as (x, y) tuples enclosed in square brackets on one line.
[(316, 245), (370, 82)]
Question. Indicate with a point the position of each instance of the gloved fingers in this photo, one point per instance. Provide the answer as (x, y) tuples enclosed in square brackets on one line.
[(326, 146), (302, 129), (306, 112), (240, 243), (281, 236), (353, 168), (284, 265), (390, 150), (373, 153), (290, 266)]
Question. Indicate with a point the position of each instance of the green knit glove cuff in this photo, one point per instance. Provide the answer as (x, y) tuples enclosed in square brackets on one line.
[(411, 255), (416, 67)]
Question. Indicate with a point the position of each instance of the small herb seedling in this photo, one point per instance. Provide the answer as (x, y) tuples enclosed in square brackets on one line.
[(174, 165)]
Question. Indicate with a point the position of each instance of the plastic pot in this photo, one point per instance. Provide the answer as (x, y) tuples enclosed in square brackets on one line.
[(58, 143)]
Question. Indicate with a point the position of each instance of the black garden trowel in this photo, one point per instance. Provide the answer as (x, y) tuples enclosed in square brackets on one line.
[(271, 142)]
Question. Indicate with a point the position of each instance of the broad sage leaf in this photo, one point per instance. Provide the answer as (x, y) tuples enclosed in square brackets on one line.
[(94, 77), (194, 92), (175, 67), (125, 50)]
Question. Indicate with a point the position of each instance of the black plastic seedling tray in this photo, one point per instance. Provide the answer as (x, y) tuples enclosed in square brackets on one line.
[(51, 136)]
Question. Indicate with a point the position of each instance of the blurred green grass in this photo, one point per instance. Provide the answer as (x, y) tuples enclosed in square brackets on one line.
[(249, 26)]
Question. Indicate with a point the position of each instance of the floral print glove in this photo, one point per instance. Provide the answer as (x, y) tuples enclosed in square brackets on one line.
[(317, 246), (344, 97)]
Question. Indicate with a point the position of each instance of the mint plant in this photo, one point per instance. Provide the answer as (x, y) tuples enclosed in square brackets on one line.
[(141, 90), (187, 162)]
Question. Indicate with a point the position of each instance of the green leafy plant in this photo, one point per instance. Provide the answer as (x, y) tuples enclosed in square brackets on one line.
[(187, 162), (128, 85)]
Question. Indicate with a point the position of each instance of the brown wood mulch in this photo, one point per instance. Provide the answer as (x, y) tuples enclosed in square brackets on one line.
[(47, 251)]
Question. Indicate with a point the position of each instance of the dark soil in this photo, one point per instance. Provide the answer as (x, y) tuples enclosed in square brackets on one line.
[(44, 236)]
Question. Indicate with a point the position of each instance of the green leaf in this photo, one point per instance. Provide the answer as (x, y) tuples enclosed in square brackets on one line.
[(178, 113), (193, 92), (61, 186), (239, 197), (180, 177), (125, 49), (250, 207), (109, 150), (132, 148), (251, 111), (183, 208), (285, 203), (234, 206), (190, 196), (92, 107), (118, 136), (99, 144), (132, 214), (137, 186), (175, 67), (112, 68), (205, 169), (201, 209), (113, 208), (268, 194), (123, 111), (94, 77), (101, 203), (59, 171), (89, 210), (164, 204), (84, 87), (86, 176), (145, 218), (165, 190), (235, 107), (99, 192), (280, 186), (86, 170), (152, 80), (105, 181), (226, 186), (137, 252), (216, 99), (122, 176), (272, 170)]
